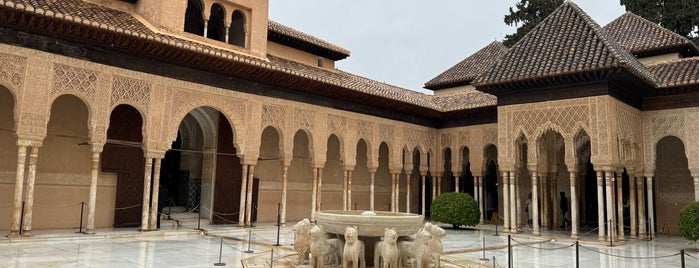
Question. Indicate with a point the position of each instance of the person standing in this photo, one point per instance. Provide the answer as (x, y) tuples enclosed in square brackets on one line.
[(564, 210)]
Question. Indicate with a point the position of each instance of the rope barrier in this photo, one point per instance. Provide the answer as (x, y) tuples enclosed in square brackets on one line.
[(690, 255), (65, 206), (129, 207), (495, 261), (626, 257)]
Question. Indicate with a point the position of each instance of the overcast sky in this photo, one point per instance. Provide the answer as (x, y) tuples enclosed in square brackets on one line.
[(408, 42)]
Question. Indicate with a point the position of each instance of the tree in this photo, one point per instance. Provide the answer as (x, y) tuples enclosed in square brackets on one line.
[(529, 13), (679, 16), (456, 209), (689, 222)]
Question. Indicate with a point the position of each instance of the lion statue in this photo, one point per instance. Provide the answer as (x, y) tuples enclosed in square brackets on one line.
[(302, 242), (354, 249), (435, 248), (323, 248), (418, 249), (387, 250)]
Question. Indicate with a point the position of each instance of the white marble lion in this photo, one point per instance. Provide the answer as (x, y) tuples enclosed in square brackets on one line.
[(302, 242), (324, 251), (386, 250), (354, 249), (435, 247)]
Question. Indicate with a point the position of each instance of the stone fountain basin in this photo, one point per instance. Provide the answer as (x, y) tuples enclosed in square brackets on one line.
[(335, 221)]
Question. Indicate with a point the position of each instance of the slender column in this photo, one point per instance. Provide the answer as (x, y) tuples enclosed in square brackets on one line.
[(285, 173), (424, 178), (319, 202), (345, 174), (651, 208), (696, 188), (92, 199), (456, 182), (476, 193), (314, 195), (206, 28), (535, 204), (29, 197), (349, 190), (145, 209), (19, 185), (641, 204), (393, 192), (610, 209), (513, 204), (546, 201), (243, 193), (154, 199), (434, 187), (397, 206), (371, 189), (601, 223), (632, 206), (505, 199), (481, 199), (227, 33), (573, 206), (439, 186), (555, 203), (407, 191), (620, 207), (248, 205)]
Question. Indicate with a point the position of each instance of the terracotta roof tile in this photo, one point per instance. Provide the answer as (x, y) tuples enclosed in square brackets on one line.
[(566, 42), (679, 72), (465, 99), (470, 68), (638, 35), (293, 33)]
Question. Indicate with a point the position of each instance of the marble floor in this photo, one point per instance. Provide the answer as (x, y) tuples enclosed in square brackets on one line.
[(185, 247)]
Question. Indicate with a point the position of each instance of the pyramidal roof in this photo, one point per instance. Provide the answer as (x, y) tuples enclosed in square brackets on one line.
[(467, 70), (641, 36), (568, 41)]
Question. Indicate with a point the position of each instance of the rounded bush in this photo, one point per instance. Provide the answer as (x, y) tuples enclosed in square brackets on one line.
[(689, 222), (457, 209)]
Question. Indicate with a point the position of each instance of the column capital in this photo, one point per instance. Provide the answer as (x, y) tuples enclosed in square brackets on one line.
[(29, 141), (154, 153), (348, 167), (96, 147)]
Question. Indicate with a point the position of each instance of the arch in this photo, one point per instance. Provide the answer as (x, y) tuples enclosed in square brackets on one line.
[(333, 175), (193, 103), (82, 100), (548, 126), (237, 34), (674, 185), (194, 17), (8, 147), (217, 28), (383, 179)]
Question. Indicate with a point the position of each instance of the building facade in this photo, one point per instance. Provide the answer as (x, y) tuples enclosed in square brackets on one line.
[(109, 104)]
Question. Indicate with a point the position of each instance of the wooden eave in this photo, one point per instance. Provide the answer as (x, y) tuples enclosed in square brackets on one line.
[(304, 46)]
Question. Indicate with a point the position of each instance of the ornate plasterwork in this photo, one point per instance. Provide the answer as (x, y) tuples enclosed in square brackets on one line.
[(366, 129), (74, 80), (660, 124), (185, 101), (446, 140), (490, 136), (414, 137), (304, 119), (628, 134), (386, 133), (131, 90), (12, 70), (337, 124), (273, 115), (564, 117)]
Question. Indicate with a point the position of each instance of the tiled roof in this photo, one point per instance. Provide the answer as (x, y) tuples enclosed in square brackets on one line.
[(467, 70), (680, 72), (638, 35), (566, 42), (296, 35), (464, 99)]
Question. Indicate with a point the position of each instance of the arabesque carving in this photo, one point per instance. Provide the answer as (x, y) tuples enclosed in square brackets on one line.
[(131, 90), (304, 119), (273, 115), (72, 79), (12, 69)]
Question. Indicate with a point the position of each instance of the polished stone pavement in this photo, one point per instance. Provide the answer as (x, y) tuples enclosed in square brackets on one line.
[(182, 246)]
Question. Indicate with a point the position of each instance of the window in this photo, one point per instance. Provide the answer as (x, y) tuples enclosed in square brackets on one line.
[(236, 34), (321, 62), (217, 28), (194, 18)]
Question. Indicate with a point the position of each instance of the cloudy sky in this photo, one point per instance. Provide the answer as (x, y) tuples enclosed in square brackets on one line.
[(408, 42)]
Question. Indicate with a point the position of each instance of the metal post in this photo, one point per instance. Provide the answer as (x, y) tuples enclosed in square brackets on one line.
[(199, 219), (271, 259), (220, 249), (496, 228), (279, 222), (577, 254), (611, 238), (682, 257), (21, 219), (509, 252), (82, 205), (484, 258), (494, 261), (249, 240)]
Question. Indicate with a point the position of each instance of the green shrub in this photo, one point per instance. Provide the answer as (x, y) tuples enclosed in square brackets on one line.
[(456, 209), (689, 222)]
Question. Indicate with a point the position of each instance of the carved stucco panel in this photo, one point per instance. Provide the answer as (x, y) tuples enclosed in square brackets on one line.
[(386, 134), (12, 70), (658, 125), (79, 81), (304, 119), (366, 131), (446, 140), (125, 89), (273, 115)]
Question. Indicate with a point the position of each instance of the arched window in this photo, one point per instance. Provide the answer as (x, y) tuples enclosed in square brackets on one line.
[(194, 17), (217, 28), (236, 34)]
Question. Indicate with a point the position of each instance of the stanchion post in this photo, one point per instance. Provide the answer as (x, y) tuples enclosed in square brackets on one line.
[(271, 259), (496, 228), (577, 254), (279, 222), (484, 258), (199, 219), (80, 229), (21, 219), (611, 238), (249, 241), (220, 249), (682, 257), (509, 252), (494, 261)]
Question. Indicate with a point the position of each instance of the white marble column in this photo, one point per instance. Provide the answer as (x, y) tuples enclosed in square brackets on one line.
[(424, 179), (397, 200), (545, 201), (154, 197), (407, 191), (573, 206), (609, 180), (344, 189), (506, 199), (456, 182), (314, 195), (243, 194), (206, 28), (372, 175), (19, 189), (696, 188), (513, 203), (29, 195), (393, 193), (535, 204), (641, 205), (248, 203), (632, 206), (481, 198), (319, 194), (620, 206), (476, 193), (439, 187), (92, 197), (227, 33), (145, 209), (601, 223), (651, 208), (285, 173), (555, 203), (349, 190), (434, 187)]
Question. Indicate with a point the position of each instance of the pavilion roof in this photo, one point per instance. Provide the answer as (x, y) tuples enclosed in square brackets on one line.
[(286, 35), (645, 38), (679, 72), (469, 69)]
